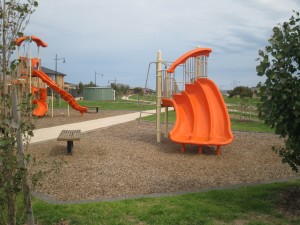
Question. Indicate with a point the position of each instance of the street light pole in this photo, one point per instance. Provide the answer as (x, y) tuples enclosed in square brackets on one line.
[(110, 81), (56, 59)]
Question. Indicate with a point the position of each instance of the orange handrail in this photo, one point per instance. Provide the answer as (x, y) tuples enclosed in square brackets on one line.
[(37, 40), (194, 53)]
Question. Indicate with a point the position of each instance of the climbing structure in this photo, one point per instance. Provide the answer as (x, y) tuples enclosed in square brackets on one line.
[(32, 70)]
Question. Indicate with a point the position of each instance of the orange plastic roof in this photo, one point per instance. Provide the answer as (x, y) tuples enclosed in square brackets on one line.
[(194, 53), (37, 40)]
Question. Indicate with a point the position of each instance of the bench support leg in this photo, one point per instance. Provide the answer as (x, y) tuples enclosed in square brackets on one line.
[(69, 147)]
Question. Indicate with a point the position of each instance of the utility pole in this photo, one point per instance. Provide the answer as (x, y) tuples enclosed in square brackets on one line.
[(58, 96)]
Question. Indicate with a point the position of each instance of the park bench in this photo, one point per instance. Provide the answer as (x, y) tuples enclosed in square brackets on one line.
[(93, 107), (69, 136)]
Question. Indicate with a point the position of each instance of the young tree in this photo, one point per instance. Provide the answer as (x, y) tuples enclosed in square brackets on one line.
[(245, 93), (80, 88), (15, 131), (280, 93), (138, 90), (120, 89)]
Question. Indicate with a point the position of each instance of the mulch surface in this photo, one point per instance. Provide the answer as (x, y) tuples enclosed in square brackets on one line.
[(126, 161)]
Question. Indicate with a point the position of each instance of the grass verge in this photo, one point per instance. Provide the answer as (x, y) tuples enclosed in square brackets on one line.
[(111, 105), (241, 125), (251, 205)]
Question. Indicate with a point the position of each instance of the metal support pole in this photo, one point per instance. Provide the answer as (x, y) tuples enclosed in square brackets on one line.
[(158, 95), (198, 66), (166, 122), (52, 105)]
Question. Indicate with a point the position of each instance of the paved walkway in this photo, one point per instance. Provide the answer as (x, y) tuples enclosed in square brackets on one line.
[(50, 133)]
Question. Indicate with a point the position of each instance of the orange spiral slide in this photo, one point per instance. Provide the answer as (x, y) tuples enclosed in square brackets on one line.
[(42, 107), (201, 115), (65, 95)]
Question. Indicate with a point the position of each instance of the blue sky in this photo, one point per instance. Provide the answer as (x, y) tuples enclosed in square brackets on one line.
[(119, 38)]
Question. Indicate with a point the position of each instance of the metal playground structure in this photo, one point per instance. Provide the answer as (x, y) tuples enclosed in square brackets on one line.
[(201, 114)]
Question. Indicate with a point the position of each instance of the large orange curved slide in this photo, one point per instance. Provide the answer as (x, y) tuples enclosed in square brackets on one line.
[(201, 114), (65, 95)]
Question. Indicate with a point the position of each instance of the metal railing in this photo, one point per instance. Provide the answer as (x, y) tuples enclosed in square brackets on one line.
[(192, 69)]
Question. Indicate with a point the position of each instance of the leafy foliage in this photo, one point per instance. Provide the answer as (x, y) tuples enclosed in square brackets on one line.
[(13, 176), (15, 130), (120, 89), (245, 93), (138, 90), (241, 91), (280, 93)]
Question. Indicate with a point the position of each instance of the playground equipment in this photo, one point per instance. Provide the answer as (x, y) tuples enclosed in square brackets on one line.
[(201, 113), (41, 102), (30, 69)]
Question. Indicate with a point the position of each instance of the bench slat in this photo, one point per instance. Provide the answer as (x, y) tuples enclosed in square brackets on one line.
[(69, 135)]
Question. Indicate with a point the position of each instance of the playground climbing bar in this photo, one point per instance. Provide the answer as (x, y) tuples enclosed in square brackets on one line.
[(158, 95)]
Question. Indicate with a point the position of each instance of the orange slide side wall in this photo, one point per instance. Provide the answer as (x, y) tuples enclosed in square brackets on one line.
[(65, 95), (42, 106), (201, 115)]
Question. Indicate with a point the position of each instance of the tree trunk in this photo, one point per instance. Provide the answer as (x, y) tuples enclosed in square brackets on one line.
[(11, 209), (22, 163), (11, 197), (4, 67)]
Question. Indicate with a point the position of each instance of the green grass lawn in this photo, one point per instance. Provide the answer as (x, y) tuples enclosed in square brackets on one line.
[(237, 100), (253, 205), (145, 97), (111, 105)]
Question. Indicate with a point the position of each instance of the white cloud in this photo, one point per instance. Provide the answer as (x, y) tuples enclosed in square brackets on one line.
[(121, 37)]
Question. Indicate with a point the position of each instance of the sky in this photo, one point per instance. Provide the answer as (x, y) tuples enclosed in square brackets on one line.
[(117, 39)]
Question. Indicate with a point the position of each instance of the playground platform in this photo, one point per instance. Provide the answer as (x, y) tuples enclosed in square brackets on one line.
[(45, 134)]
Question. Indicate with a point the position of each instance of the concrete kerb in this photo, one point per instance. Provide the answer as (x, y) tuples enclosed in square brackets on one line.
[(51, 200)]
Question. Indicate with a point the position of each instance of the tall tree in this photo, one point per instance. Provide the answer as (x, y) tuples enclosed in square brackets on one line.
[(14, 16), (279, 62)]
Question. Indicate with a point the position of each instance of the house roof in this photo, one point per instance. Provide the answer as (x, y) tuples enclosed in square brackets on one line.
[(71, 84), (50, 72)]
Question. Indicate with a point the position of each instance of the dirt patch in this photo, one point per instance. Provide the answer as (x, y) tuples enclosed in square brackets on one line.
[(125, 161)]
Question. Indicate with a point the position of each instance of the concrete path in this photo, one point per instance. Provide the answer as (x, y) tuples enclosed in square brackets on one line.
[(50, 133)]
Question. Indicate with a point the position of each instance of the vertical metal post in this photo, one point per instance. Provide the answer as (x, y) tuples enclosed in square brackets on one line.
[(198, 67), (167, 93), (158, 95), (206, 60), (166, 122)]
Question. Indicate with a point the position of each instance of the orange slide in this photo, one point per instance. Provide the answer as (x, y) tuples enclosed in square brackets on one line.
[(42, 106), (65, 95), (201, 116)]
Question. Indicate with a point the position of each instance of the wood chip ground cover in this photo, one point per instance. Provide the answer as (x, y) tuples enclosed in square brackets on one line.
[(125, 161)]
